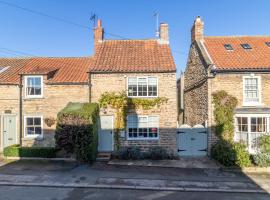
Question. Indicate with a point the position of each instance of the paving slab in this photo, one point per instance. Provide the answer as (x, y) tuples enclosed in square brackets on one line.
[(198, 162)]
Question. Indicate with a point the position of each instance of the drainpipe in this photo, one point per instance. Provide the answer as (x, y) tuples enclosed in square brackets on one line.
[(20, 109), (90, 86)]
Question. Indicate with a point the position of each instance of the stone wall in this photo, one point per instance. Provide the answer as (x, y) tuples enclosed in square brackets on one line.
[(167, 112), (55, 98), (9, 104), (195, 92)]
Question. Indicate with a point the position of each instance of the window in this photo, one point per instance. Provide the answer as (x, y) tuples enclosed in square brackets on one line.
[(242, 129), (268, 44), (2, 69), (228, 47), (142, 87), (142, 127), (246, 46), (249, 127), (251, 90), (33, 126), (33, 86)]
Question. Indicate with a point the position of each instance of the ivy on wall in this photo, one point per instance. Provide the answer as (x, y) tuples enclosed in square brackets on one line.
[(121, 103), (224, 105)]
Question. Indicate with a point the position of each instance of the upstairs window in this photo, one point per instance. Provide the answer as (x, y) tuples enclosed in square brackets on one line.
[(142, 86), (33, 86), (268, 44), (251, 90), (246, 46), (228, 47)]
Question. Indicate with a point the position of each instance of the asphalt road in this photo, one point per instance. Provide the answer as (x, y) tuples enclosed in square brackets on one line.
[(46, 193)]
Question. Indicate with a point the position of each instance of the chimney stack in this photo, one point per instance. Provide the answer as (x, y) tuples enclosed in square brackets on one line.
[(197, 30), (98, 34), (164, 33)]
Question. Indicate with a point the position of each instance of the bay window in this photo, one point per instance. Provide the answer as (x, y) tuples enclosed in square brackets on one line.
[(142, 127), (249, 127), (142, 86)]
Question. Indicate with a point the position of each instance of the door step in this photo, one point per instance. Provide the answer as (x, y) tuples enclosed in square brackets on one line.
[(103, 156)]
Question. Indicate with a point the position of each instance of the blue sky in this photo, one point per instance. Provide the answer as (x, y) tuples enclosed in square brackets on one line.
[(38, 35)]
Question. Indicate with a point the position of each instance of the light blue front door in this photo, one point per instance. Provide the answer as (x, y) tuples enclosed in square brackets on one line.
[(9, 130), (105, 137)]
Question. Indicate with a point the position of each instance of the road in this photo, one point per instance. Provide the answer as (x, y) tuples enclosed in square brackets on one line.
[(47, 193)]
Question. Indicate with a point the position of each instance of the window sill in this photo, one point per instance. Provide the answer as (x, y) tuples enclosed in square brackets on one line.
[(134, 97), (38, 138), (33, 98), (253, 104), (142, 139)]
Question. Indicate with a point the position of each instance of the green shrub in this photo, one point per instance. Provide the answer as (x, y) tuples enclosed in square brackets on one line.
[(262, 159), (231, 154), (158, 153), (264, 144), (42, 152), (130, 153), (77, 130)]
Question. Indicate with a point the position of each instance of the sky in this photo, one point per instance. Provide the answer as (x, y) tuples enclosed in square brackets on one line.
[(24, 32)]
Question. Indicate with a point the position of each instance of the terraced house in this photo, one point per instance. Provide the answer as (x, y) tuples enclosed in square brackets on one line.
[(240, 65), (34, 90)]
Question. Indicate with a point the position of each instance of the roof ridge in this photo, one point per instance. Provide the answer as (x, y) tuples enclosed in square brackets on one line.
[(237, 36), (127, 40)]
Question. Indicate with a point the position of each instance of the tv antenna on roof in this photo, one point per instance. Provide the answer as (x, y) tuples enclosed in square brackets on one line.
[(156, 15), (93, 18)]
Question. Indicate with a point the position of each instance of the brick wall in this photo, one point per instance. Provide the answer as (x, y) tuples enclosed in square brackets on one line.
[(56, 97), (167, 113), (9, 103), (195, 92)]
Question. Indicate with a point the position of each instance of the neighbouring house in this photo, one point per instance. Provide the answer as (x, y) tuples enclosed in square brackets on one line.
[(240, 65), (34, 90)]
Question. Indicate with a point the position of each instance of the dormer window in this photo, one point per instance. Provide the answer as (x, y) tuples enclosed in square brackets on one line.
[(228, 47), (268, 44), (33, 86), (246, 46)]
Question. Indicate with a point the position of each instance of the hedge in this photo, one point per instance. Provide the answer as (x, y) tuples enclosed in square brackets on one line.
[(77, 130), (41, 152)]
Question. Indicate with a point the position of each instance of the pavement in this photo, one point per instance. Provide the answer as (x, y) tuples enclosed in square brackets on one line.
[(188, 162), (61, 174)]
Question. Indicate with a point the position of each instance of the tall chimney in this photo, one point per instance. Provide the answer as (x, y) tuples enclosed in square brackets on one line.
[(164, 33), (98, 34), (197, 30)]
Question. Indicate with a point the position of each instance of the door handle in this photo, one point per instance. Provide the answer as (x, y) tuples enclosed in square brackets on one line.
[(10, 138), (192, 138)]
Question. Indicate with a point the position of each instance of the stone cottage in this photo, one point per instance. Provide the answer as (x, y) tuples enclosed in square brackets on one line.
[(34, 90), (240, 65)]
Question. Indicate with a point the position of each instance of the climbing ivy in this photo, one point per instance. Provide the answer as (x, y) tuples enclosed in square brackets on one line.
[(121, 103), (224, 105)]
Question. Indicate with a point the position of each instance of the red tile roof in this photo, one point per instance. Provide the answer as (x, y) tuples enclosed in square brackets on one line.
[(111, 56), (256, 58), (66, 70), (133, 56)]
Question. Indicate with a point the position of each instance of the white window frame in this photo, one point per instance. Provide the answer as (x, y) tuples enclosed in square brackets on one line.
[(27, 96), (250, 103), (249, 116), (33, 136), (147, 78), (143, 138)]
